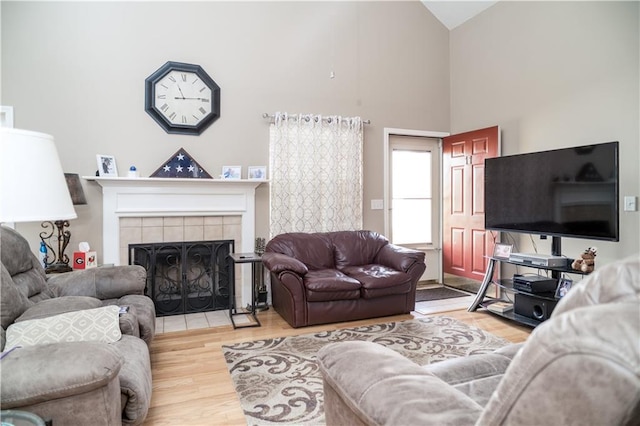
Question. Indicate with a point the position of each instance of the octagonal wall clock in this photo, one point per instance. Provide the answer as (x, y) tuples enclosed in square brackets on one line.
[(182, 98)]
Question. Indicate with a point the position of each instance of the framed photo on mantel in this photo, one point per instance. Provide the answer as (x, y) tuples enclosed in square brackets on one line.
[(257, 172), (231, 172), (107, 165)]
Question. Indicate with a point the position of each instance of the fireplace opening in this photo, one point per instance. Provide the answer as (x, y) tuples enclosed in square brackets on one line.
[(186, 277)]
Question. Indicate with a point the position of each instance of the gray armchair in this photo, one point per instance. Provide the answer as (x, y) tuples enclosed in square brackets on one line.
[(83, 382), (580, 367)]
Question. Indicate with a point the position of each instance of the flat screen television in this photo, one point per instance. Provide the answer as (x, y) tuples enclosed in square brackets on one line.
[(568, 192)]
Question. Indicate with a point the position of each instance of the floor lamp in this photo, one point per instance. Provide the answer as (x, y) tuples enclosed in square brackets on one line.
[(32, 184)]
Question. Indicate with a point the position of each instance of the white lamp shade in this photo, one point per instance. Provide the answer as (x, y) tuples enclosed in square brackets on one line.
[(32, 183)]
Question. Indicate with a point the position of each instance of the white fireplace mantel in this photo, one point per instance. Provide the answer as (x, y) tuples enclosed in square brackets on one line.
[(153, 197)]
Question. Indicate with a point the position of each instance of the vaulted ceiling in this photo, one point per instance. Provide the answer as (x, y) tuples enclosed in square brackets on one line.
[(453, 13)]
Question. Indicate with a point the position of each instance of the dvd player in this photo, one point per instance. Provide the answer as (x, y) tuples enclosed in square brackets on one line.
[(534, 283), (535, 259)]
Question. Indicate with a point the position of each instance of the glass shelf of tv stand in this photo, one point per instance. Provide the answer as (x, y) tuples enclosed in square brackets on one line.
[(482, 301), (564, 270), (511, 315)]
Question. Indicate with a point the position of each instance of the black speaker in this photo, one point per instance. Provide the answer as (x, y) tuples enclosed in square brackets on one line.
[(533, 307)]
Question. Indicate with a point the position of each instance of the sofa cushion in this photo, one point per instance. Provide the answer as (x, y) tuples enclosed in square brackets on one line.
[(135, 379), (475, 376), (90, 325), (581, 367), (614, 283), (314, 250), (34, 375), (13, 303), (330, 284), (417, 397), (22, 265), (379, 281), (59, 305), (353, 248)]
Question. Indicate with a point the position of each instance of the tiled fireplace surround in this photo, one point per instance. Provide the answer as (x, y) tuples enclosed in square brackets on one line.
[(153, 210), (135, 230)]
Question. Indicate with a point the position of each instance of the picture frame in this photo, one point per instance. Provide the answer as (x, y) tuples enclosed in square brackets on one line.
[(257, 172), (6, 116), (564, 285), (107, 165), (502, 251), (231, 172)]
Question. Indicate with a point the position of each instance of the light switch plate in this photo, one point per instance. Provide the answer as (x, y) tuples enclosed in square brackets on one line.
[(630, 204), (377, 204)]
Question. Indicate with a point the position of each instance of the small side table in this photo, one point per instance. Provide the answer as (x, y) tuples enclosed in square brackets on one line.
[(256, 261)]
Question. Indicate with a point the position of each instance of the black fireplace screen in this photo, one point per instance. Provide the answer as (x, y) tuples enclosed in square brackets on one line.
[(186, 277)]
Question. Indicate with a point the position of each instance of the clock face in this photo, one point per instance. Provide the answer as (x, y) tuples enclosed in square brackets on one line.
[(182, 98)]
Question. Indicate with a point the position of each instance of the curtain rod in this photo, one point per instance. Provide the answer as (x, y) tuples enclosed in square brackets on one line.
[(328, 119)]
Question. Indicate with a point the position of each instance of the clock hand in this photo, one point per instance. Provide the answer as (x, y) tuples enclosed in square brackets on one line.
[(180, 93), (198, 99)]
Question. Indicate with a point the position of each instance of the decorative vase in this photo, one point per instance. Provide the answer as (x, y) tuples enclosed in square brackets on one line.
[(260, 245)]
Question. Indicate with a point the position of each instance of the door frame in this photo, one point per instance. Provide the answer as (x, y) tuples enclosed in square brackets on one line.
[(389, 131)]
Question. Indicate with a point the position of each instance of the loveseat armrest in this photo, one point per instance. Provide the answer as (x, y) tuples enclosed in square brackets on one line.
[(368, 384), (278, 262), (399, 258), (102, 283), (36, 374)]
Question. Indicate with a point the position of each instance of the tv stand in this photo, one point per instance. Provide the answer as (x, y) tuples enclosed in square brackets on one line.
[(506, 288)]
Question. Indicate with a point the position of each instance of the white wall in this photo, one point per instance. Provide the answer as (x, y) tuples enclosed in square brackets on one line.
[(551, 75), (76, 70)]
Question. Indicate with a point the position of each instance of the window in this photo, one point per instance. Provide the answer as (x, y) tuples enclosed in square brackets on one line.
[(414, 188), (411, 197)]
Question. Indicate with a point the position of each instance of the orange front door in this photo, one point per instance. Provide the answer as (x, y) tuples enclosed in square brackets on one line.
[(466, 244)]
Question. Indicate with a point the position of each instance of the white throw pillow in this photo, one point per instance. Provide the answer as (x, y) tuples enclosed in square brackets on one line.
[(89, 325)]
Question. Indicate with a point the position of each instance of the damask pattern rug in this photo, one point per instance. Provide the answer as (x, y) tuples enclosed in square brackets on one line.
[(278, 381)]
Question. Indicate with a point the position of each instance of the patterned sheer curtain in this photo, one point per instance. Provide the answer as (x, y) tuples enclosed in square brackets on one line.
[(316, 173)]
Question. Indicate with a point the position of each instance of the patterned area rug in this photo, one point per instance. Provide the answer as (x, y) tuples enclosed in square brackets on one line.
[(278, 381)]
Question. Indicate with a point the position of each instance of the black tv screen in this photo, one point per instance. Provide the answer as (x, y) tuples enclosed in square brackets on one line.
[(569, 192)]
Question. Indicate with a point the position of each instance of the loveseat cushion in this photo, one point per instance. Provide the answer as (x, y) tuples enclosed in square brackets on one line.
[(353, 248), (330, 284), (314, 250), (379, 281)]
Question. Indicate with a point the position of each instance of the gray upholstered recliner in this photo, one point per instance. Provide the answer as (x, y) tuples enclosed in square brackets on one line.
[(82, 382), (580, 367)]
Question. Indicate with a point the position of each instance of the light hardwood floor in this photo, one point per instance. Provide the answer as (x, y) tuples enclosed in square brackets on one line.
[(191, 382)]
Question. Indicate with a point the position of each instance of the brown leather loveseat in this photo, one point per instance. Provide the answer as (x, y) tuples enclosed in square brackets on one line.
[(320, 278)]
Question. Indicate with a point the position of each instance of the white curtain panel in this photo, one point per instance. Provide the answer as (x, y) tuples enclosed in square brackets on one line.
[(315, 173)]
